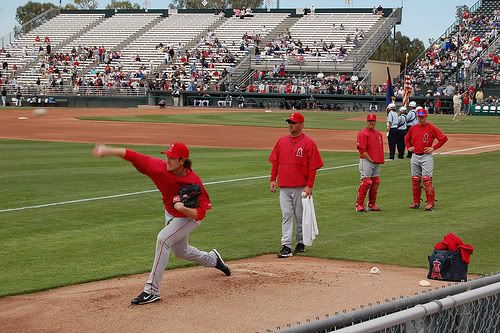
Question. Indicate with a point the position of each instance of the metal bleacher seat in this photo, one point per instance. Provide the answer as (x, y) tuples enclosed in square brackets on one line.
[(175, 30)]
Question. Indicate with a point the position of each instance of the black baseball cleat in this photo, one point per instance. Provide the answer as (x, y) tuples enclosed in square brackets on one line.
[(285, 252), (300, 248), (221, 265), (145, 298)]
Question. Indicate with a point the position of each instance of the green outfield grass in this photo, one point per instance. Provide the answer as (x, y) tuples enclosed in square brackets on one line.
[(320, 120), (78, 242)]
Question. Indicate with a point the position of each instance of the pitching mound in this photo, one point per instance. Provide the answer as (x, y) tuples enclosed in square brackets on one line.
[(263, 292)]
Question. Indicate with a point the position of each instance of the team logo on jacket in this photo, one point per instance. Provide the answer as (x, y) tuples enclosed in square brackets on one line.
[(426, 138), (436, 270), (300, 152)]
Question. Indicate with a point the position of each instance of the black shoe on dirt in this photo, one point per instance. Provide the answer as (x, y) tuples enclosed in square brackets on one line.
[(285, 252), (300, 248), (221, 265), (145, 298)]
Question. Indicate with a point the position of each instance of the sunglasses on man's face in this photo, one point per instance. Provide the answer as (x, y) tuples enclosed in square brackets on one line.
[(291, 122)]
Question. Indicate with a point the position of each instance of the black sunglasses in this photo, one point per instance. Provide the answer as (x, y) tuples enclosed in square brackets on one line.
[(291, 122)]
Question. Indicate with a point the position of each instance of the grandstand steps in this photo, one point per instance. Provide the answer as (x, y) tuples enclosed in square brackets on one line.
[(124, 43), (285, 25), (473, 74), (212, 27), (192, 43), (138, 34), (78, 34), (378, 35), (32, 64), (244, 70)]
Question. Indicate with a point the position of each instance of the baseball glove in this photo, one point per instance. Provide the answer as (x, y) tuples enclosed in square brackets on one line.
[(188, 195)]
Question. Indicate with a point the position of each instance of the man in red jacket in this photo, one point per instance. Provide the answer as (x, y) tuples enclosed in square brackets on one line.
[(419, 140), (169, 176), (295, 159), (371, 155)]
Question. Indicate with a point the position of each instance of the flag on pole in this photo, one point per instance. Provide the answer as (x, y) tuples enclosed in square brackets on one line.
[(407, 90), (389, 91)]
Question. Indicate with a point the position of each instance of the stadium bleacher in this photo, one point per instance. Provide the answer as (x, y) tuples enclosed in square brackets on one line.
[(205, 47)]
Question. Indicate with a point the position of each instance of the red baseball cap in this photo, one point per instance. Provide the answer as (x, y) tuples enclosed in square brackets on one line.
[(296, 118), (177, 150), (371, 117), (421, 112)]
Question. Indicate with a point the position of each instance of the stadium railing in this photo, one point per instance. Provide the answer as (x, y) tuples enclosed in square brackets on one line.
[(29, 91)]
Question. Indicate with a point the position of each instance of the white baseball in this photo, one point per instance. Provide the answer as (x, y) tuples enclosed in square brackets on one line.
[(40, 112), (304, 194), (424, 283)]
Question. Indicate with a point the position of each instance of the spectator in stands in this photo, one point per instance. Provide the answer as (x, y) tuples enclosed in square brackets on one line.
[(282, 70), (437, 105), (248, 12), (466, 102), (19, 96), (479, 96), (4, 96), (47, 40), (380, 10)]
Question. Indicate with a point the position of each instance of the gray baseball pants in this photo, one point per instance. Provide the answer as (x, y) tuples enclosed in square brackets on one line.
[(291, 206), (174, 236), (368, 169), (422, 165)]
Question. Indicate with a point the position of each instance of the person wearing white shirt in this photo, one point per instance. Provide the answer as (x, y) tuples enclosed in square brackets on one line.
[(392, 129)]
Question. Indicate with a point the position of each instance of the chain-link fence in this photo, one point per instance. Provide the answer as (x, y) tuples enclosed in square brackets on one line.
[(472, 306), (472, 311)]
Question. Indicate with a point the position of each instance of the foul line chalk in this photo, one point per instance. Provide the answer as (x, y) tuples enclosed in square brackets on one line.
[(208, 183)]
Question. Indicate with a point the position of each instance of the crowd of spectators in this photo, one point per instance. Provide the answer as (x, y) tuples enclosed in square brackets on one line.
[(285, 46), (277, 81), (456, 54)]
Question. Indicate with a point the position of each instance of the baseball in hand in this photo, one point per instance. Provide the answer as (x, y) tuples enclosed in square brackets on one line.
[(304, 194)]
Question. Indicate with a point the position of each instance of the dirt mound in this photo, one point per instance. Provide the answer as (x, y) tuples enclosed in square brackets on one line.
[(263, 292)]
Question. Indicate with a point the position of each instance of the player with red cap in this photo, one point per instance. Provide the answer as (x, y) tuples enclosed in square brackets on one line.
[(169, 175), (420, 141), (295, 159), (370, 145)]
